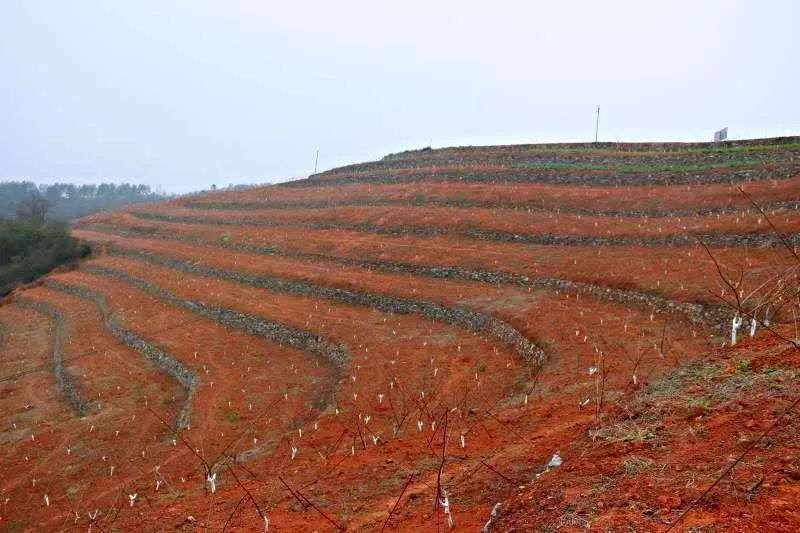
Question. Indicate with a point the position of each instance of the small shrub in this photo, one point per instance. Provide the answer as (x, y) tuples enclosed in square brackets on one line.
[(29, 250)]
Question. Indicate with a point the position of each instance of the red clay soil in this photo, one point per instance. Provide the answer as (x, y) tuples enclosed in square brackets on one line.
[(665, 446), (52, 451), (526, 223), (551, 197), (425, 422), (683, 273)]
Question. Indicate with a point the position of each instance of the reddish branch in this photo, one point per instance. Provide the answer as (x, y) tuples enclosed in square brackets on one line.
[(490, 467), (402, 492), (249, 495), (793, 343), (738, 460), (178, 436), (298, 495), (441, 468), (295, 494)]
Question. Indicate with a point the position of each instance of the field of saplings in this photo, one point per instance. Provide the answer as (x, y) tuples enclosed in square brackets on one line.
[(537, 337)]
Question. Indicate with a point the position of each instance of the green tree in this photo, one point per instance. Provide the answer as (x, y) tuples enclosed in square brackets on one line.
[(33, 209)]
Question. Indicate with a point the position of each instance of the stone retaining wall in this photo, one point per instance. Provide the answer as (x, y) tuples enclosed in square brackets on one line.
[(64, 382), (694, 312), (467, 203), (544, 239), (485, 325), (331, 353), (171, 366)]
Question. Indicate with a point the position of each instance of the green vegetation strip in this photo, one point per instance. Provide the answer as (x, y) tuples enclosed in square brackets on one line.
[(578, 177), (596, 156), (607, 148)]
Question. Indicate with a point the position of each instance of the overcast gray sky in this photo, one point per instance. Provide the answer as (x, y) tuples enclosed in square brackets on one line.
[(183, 94)]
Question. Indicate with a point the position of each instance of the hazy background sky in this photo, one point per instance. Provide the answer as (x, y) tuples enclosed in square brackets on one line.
[(183, 94)]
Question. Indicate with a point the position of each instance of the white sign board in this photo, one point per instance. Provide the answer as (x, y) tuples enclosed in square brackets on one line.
[(721, 135)]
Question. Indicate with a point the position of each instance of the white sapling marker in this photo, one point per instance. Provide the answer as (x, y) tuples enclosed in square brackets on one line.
[(736, 323)]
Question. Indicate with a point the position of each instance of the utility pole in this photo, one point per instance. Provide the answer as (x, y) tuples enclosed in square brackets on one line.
[(597, 123), (316, 160)]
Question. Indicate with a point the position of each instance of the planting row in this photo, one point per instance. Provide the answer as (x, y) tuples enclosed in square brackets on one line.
[(241, 372)]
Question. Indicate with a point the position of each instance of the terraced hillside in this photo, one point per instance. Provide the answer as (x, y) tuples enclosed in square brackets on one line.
[(409, 342)]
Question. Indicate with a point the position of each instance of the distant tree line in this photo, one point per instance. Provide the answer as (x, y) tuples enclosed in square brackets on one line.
[(66, 201)]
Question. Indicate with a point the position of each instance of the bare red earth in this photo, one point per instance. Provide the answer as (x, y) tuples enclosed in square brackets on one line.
[(435, 414)]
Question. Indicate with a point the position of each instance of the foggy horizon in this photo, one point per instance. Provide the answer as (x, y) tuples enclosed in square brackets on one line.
[(190, 94)]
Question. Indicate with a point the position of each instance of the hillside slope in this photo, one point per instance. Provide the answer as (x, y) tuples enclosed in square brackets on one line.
[(412, 341)]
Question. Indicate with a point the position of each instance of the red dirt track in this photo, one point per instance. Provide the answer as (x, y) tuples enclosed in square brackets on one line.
[(368, 348)]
